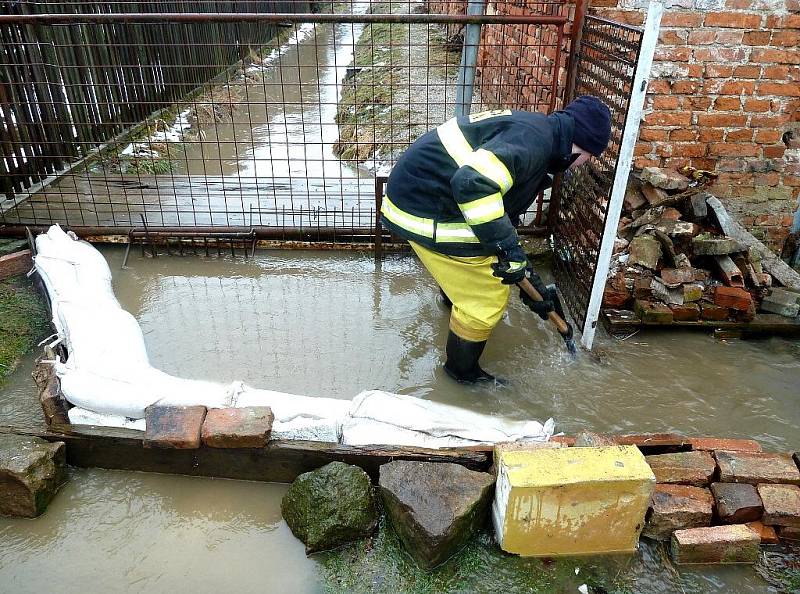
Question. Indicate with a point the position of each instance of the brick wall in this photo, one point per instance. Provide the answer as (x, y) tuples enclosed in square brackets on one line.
[(725, 96)]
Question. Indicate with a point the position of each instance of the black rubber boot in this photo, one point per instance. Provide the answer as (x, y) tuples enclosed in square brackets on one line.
[(445, 299), (462, 361)]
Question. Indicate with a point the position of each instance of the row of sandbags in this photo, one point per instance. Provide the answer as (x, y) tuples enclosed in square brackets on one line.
[(109, 380)]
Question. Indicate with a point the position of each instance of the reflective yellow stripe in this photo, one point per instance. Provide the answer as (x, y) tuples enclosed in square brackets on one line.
[(454, 142), (487, 164), (484, 162), (483, 210), (419, 225), (514, 266), (455, 233), (484, 115)]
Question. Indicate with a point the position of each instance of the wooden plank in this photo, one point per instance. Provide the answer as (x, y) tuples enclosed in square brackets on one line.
[(763, 323), (281, 461)]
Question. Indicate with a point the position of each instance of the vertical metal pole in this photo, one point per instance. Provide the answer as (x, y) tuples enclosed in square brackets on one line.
[(628, 143), (465, 83)]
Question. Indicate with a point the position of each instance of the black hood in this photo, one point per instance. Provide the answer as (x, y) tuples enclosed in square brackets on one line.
[(563, 127)]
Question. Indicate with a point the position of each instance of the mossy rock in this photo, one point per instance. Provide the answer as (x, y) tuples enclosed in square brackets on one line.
[(31, 471), (330, 507)]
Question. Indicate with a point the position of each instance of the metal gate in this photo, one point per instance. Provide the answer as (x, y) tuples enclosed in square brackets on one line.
[(279, 122), (613, 62)]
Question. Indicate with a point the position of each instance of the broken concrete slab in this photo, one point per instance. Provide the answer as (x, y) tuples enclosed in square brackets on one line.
[(698, 209), (31, 471), (663, 293), (756, 467), (709, 245), (715, 544), (737, 503), (674, 507), (664, 178), (781, 505), (330, 506), (434, 508), (782, 302), (246, 427), (645, 251), (687, 468), (655, 196), (173, 427)]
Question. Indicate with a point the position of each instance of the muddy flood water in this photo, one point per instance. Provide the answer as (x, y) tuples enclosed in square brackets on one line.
[(333, 324)]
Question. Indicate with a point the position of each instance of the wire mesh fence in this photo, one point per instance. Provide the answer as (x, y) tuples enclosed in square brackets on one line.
[(605, 67), (240, 113)]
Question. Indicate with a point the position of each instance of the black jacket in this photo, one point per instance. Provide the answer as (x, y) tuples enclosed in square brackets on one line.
[(427, 182)]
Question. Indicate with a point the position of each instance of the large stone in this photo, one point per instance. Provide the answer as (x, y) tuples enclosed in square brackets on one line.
[(687, 468), (173, 427), (664, 178), (781, 505), (717, 544), (247, 427), (434, 507), (330, 506), (644, 250), (674, 507), (31, 471), (705, 245), (756, 467), (737, 503)]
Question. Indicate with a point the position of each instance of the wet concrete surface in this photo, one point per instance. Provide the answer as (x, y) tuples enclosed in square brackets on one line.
[(332, 324)]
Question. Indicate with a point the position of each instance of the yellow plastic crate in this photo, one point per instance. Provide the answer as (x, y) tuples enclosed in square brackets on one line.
[(570, 501)]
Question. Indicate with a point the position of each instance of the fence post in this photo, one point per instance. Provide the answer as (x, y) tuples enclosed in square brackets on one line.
[(627, 144), (465, 83)]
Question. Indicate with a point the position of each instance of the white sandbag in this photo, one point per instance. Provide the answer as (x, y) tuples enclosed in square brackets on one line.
[(305, 428), (102, 339), (286, 407), (431, 420), (364, 432), (58, 244), (130, 395), (81, 416), (66, 281)]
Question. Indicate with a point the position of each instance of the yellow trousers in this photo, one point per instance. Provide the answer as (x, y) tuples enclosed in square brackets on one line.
[(479, 298)]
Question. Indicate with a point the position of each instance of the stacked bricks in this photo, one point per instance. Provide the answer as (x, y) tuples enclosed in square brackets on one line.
[(725, 96)]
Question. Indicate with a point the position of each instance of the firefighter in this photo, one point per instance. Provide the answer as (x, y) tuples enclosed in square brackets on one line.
[(457, 194)]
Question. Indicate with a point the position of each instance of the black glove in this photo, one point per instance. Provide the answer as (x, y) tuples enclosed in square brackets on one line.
[(540, 308), (511, 265)]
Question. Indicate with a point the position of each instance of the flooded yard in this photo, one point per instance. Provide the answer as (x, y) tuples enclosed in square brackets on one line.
[(333, 324)]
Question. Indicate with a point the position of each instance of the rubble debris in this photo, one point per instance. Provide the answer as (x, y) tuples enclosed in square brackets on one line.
[(729, 272), (733, 298), (645, 251), (651, 312), (708, 245), (782, 302), (664, 178), (674, 507), (737, 503)]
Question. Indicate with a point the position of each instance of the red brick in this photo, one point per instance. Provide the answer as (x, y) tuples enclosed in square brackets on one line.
[(246, 427), (683, 134), (716, 544), (770, 55), (175, 427), (755, 467), (701, 37), (685, 87), (728, 104), (689, 149), (688, 312), (736, 503), (15, 264), (781, 505), (687, 468), (739, 135), (719, 54), (767, 533), (658, 87), (709, 311), (738, 87), (775, 152), (756, 37), (729, 37), (721, 120), (668, 119), (757, 105), (694, 70), (629, 17), (771, 178), (787, 38), (786, 89), (734, 20), (719, 70), (682, 19), (700, 103), (667, 102), (727, 149), (747, 71), (768, 136), (674, 507), (673, 36), (642, 162), (643, 148), (791, 21), (773, 72), (738, 4), (653, 134), (672, 54), (732, 165), (730, 445), (733, 297), (769, 121)]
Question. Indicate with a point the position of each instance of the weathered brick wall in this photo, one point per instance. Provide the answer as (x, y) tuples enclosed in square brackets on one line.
[(725, 96)]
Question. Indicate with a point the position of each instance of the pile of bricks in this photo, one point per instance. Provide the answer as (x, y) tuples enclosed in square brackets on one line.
[(673, 263), (718, 506)]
